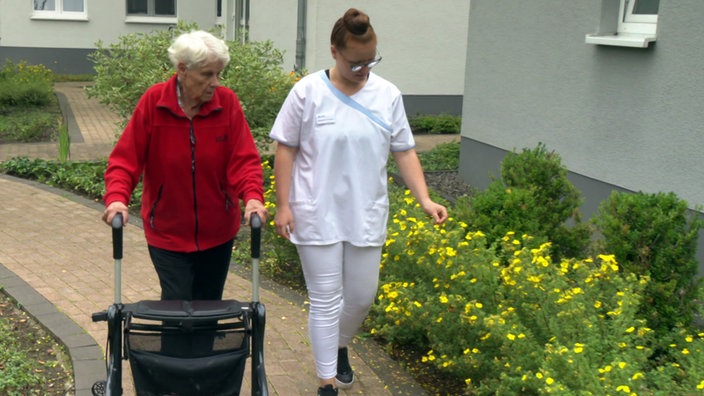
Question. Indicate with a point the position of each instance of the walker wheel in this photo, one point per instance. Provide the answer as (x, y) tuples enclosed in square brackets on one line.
[(98, 388)]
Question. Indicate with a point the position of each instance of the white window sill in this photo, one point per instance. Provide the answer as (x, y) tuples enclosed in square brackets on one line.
[(151, 20), (60, 17), (635, 40)]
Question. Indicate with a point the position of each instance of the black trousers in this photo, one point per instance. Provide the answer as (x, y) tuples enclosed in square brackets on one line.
[(192, 276)]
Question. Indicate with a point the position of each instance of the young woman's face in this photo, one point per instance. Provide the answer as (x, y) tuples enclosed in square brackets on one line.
[(355, 54), (198, 84)]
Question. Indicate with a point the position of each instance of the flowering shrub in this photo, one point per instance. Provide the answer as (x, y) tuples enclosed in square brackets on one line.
[(509, 320), (22, 84), (28, 109), (281, 259)]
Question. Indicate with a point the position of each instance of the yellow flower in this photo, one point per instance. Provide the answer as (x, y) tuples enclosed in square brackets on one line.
[(578, 348), (549, 381), (623, 388)]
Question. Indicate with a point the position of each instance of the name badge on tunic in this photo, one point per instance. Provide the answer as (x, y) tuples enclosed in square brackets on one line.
[(324, 118)]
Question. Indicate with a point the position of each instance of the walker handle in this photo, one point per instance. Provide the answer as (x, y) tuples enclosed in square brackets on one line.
[(256, 236), (256, 222), (117, 236)]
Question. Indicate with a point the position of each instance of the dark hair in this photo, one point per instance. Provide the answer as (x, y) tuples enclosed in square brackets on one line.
[(354, 25)]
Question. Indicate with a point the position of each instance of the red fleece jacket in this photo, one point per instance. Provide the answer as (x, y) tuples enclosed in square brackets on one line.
[(194, 172)]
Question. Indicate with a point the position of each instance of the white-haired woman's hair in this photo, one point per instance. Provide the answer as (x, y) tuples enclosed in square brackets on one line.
[(196, 48)]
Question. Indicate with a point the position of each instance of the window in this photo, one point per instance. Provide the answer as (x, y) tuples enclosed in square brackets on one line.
[(151, 11), (633, 24), (152, 8), (639, 16), (60, 9)]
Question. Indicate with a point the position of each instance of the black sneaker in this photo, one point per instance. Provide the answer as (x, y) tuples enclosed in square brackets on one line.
[(327, 390), (345, 376)]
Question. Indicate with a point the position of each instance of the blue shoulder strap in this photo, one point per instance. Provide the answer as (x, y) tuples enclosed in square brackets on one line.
[(352, 103)]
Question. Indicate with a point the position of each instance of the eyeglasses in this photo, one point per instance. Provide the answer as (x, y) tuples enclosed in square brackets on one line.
[(355, 67)]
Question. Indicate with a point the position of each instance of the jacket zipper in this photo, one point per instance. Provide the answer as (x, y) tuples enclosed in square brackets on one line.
[(193, 178), (154, 205)]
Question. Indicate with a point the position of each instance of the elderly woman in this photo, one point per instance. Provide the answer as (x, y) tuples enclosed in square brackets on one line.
[(190, 143)]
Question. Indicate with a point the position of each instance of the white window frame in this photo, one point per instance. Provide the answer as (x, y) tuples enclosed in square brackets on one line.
[(636, 23), (219, 20), (151, 17), (59, 14), (621, 27)]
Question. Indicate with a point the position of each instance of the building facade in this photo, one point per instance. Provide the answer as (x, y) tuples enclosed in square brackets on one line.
[(423, 44), (611, 85)]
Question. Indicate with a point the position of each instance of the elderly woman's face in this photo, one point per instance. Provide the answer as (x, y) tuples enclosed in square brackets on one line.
[(198, 84)]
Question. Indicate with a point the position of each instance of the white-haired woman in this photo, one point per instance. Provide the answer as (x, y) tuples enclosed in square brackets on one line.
[(190, 144)]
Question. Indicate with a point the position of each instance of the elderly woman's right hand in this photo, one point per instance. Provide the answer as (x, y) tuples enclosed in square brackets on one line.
[(114, 208)]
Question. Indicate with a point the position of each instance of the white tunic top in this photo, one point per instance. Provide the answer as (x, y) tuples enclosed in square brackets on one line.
[(339, 182)]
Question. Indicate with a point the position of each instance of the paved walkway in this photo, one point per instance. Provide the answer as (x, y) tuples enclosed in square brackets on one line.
[(55, 259)]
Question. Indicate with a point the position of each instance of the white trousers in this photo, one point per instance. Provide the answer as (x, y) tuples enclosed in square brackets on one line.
[(342, 282)]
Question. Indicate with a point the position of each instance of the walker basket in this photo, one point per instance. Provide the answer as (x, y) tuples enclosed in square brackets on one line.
[(187, 347)]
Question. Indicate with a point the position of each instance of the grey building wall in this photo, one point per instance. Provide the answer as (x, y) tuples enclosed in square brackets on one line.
[(423, 43), (621, 118)]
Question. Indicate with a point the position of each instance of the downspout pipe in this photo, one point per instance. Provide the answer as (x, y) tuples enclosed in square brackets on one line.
[(245, 37), (301, 37)]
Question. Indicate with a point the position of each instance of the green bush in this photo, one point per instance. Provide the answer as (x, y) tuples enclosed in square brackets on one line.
[(436, 124), (444, 156), (25, 85), (532, 197), (28, 108), (653, 235), (83, 178), (28, 125), (126, 69)]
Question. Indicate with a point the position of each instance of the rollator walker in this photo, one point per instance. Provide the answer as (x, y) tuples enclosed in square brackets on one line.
[(179, 347)]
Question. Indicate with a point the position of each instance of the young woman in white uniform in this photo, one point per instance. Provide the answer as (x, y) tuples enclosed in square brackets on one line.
[(334, 133)]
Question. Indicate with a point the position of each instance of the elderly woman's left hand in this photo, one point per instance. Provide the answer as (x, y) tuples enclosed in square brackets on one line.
[(255, 206)]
